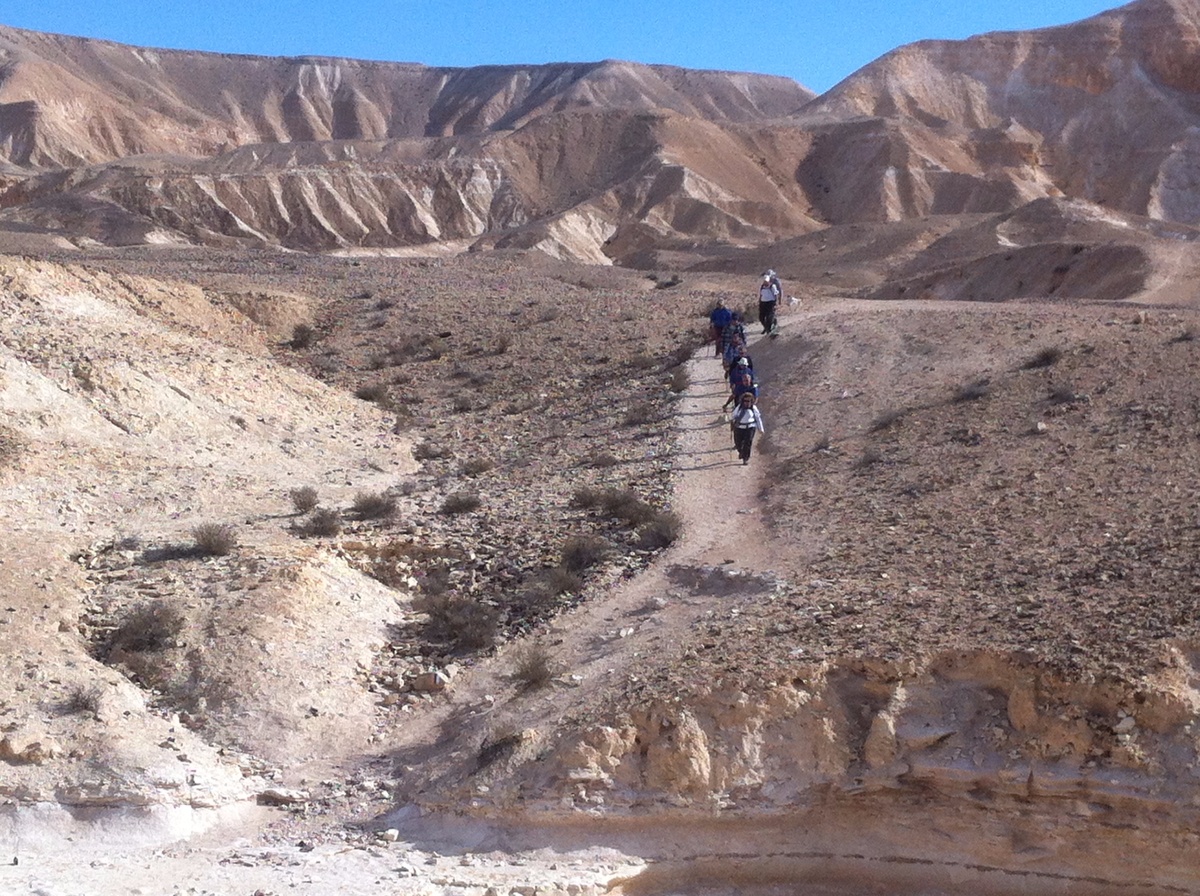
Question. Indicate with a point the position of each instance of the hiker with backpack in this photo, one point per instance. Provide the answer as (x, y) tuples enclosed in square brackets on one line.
[(770, 291), (720, 318), (741, 380), (745, 421)]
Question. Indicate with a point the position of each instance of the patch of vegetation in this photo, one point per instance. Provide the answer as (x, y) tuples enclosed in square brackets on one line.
[(1046, 357), (323, 523), (148, 627), (973, 391), (376, 392), (303, 336), (214, 539), (533, 667), (887, 419), (462, 403), (82, 700), (461, 502), (477, 465), (461, 621), (12, 445), (304, 498), (680, 380), (869, 458), (581, 552), (660, 531), (373, 505), (430, 450), (496, 748), (644, 411), (602, 460)]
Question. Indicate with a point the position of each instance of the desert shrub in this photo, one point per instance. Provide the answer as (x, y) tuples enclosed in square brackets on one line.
[(1188, 335), (1046, 357), (1062, 395), (376, 392), (214, 539), (624, 504), (303, 335), (683, 353), (602, 460), (474, 466), (462, 621), (582, 552), (462, 403), (668, 282), (373, 505), (680, 380), (304, 498), (430, 450), (643, 361), (822, 444), (147, 628), (549, 314), (660, 531), (82, 699), (887, 419), (323, 523), (533, 667), (869, 458), (587, 496), (555, 581), (640, 412), (461, 502), (12, 445), (972, 391), (502, 345)]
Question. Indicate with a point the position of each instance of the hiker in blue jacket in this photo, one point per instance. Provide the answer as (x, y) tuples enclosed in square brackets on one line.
[(720, 318)]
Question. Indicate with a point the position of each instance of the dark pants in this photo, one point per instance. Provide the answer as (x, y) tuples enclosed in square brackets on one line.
[(743, 438), (766, 316)]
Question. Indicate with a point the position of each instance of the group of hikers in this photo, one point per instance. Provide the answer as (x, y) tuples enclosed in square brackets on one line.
[(728, 332)]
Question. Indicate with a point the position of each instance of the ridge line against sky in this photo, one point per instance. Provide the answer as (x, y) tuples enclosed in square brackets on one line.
[(816, 42)]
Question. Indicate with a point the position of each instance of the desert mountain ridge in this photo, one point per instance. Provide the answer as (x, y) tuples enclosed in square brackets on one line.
[(328, 154)]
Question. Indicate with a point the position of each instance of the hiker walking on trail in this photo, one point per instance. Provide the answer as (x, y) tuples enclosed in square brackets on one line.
[(720, 318), (741, 380), (746, 420), (770, 291)]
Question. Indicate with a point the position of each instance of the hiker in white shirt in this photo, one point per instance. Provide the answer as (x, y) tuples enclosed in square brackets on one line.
[(746, 420)]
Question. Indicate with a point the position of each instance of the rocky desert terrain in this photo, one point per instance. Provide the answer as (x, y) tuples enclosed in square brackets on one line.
[(372, 523)]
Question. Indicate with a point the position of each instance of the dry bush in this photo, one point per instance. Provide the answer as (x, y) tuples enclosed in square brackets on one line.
[(533, 667), (147, 627), (304, 498), (462, 403), (503, 343), (82, 699), (660, 531), (822, 444), (602, 460), (644, 411), (1046, 357), (671, 280), (430, 450), (624, 504), (642, 361), (1188, 335), (214, 539), (582, 552), (373, 505), (586, 496), (869, 458), (887, 419), (461, 502), (680, 380), (12, 445), (972, 391), (324, 523), (461, 621), (376, 392), (476, 465), (555, 581), (303, 335), (1062, 395)]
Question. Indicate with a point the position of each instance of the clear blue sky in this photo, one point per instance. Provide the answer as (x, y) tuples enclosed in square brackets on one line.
[(817, 42)]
